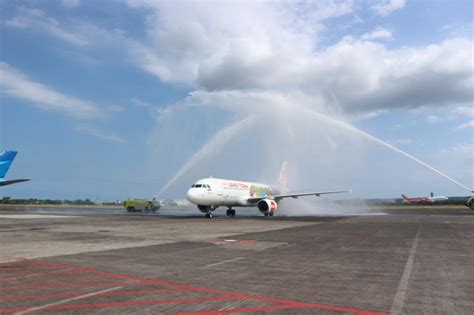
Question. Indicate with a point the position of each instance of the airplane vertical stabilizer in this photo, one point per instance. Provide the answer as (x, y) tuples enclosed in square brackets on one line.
[(6, 159)]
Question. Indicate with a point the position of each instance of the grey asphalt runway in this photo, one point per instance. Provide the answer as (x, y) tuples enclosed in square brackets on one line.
[(75, 261)]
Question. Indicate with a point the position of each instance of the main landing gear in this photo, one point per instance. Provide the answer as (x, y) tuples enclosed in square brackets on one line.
[(230, 212), (208, 211)]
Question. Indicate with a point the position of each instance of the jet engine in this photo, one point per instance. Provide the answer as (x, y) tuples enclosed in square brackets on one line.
[(204, 209), (267, 206)]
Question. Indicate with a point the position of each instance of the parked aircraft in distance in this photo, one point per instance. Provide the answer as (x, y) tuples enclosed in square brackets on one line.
[(210, 193), (6, 159), (423, 200)]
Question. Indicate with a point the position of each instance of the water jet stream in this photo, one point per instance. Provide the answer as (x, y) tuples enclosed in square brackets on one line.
[(379, 141), (221, 138), (228, 133)]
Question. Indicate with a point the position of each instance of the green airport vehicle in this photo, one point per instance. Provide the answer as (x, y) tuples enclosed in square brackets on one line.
[(141, 205)]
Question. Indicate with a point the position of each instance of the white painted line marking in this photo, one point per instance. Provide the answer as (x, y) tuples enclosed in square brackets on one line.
[(67, 300), (224, 262), (400, 296)]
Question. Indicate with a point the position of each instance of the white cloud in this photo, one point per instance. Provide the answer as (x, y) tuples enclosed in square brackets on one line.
[(384, 8), (37, 20), (18, 85), (71, 4), (461, 151), (468, 125), (140, 103), (101, 134), (259, 48), (378, 33), (191, 38), (459, 29), (433, 119), (270, 48), (465, 111)]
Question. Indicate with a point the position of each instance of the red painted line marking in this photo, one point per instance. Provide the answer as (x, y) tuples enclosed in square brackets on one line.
[(60, 277), (8, 280), (38, 296), (282, 307), (284, 304), (64, 295), (31, 269), (241, 310), (159, 291), (118, 304), (69, 285), (47, 272), (67, 277), (35, 263), (296, 304)]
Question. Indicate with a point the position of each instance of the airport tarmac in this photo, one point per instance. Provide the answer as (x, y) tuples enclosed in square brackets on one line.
[(71, 261)]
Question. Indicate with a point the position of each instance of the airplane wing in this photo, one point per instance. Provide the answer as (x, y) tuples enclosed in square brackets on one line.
[(12, 181), (296, 195)]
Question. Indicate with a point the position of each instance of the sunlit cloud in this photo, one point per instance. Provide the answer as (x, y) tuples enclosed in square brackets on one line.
[(99, 133), (71, 4), (37, 20), (17, 85), (387, 7), (468, 125), (378, 33)]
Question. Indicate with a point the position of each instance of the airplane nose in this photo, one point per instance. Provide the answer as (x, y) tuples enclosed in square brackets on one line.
[(191, 195)]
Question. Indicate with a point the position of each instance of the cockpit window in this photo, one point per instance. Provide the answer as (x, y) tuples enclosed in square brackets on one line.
[(197, 186), (192, 186)]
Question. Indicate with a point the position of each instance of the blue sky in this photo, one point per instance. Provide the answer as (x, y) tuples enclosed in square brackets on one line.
[(111, 99)]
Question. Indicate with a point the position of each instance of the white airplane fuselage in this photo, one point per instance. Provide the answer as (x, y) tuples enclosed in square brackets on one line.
[(210, 193), (217, 192)]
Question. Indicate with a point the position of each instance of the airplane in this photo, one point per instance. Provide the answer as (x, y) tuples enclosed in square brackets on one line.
[(423, 200), (6, 159), (210, 193)]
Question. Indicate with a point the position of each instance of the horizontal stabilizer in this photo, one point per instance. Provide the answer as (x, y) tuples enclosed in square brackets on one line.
[(12, 181)]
